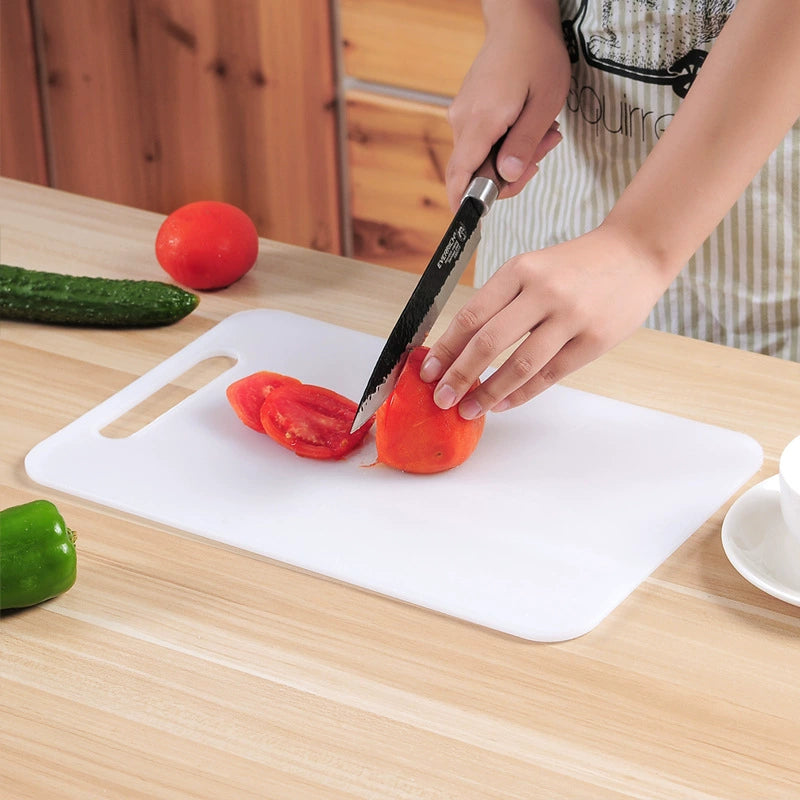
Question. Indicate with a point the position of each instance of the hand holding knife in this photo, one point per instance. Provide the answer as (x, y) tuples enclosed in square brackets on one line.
[(435, 286)]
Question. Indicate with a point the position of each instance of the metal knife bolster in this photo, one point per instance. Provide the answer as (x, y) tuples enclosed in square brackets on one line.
[(484, 190)]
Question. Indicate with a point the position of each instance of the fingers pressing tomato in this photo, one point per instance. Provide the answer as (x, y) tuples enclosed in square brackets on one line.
[(413, 434), (207, 244)]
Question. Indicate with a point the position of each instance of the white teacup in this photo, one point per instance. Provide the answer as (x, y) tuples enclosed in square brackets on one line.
[(789, 469)]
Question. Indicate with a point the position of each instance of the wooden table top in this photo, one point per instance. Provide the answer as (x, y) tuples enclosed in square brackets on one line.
[(175, 668)]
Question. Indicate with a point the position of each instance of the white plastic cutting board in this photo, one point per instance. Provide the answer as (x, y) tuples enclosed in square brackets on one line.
[(568, 503)]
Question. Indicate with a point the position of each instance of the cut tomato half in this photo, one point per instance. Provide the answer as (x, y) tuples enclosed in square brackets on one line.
[(413, 434), (312, 421)]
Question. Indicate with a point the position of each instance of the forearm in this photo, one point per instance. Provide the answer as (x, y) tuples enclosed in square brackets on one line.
[(503, 19), (743, 101)]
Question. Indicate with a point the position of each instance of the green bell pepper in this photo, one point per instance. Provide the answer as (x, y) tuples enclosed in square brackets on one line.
[(37, 554)]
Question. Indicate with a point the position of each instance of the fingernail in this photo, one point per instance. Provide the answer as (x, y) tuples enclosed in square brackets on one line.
[(503, 405), (470, 409), (431, 369), (444, 396), (511, 168)]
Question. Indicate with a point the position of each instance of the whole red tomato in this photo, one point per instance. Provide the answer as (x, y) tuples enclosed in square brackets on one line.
[(413, 434), (207, 244)]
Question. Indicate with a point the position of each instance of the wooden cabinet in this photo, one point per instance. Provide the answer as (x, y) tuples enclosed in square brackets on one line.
[(403, 61), (397, 152), (154, 103), (423, 45), (325, 120), (22, 148)]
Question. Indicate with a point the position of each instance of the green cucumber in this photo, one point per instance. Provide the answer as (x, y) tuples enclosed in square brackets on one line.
[(34, 296)]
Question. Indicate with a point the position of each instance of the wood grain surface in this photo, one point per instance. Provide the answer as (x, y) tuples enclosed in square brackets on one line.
[(422, 45), (175, 668), (157, 103), (397, 154), (22, 143), (403, 61)]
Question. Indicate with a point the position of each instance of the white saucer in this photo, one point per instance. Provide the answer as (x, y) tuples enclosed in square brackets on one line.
[(758, 544)]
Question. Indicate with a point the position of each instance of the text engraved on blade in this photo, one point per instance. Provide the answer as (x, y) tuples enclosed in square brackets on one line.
[(453, 248)]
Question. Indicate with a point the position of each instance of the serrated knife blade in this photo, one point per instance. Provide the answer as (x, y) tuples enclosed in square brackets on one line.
[(434, 288)]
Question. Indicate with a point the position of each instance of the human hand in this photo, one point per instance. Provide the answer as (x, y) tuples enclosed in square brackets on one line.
[(560, 307), (516, 86)]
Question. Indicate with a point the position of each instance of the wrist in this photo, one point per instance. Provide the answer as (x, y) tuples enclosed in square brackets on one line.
[(642, 244)]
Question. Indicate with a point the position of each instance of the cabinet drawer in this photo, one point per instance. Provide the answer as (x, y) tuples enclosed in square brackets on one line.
[(423, 45), (397, 153)]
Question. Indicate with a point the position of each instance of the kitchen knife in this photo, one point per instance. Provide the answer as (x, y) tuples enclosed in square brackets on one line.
[(435, 286)]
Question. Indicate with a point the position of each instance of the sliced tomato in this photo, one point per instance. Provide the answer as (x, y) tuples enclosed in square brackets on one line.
[(312, 421), (413, 434), (247, 395)]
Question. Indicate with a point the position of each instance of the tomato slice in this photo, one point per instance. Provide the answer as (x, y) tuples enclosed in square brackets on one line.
[(247, 395), (312, 421)]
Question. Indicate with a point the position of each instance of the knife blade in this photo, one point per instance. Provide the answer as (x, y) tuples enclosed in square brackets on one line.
[(435, 286)]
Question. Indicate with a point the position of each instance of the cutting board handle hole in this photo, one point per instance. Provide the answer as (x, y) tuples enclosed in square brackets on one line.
[(167, 397)]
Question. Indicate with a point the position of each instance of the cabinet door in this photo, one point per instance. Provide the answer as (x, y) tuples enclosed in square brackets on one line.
[(404, 60), (425, 45), (22, 153), (397, 153), (155, 103)]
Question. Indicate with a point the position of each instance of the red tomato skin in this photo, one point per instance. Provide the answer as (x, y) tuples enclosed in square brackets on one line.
[(247, 395), (207, 244), (414, 435), (311, 421)]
